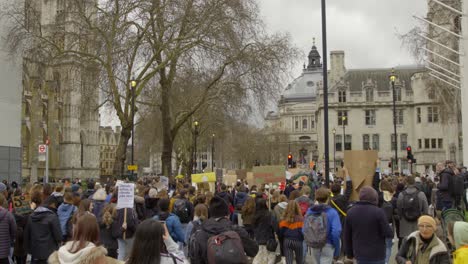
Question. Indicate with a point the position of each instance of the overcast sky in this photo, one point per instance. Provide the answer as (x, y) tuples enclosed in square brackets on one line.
[(365, 29)]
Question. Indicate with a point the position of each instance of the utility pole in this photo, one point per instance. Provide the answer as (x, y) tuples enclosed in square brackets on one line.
[(325, 94), (464, 79), (393, 79), (133, 84)]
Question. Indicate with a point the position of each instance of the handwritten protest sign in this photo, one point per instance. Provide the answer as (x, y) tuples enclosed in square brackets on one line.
[(126, 195), (22, 204), (361, 168)]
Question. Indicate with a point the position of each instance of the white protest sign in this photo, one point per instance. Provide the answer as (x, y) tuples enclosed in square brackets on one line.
[(164, 181), (126, 195)]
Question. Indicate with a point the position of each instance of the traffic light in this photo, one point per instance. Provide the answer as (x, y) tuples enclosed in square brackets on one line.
[(409, 154), (290, 161)]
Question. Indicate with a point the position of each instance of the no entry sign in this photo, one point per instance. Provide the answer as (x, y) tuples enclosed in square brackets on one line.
[(42, 149)]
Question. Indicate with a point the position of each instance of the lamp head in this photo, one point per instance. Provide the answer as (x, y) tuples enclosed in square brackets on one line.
[(196, 123), (393, 76), (343, 118), (133, 83)]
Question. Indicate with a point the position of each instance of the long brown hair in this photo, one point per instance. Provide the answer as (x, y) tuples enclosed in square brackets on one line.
[(86, 230), (108, 214), (249, 207), (292, 212)]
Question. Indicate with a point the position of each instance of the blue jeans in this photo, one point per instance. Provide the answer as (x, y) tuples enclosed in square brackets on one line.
[(125, 246), (388, 249), (371, 262), (323, 255)]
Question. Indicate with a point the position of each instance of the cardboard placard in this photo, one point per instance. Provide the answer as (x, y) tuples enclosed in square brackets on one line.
[(126, 195), (230, 179), (267, 174), (361, 167), (22, 204)]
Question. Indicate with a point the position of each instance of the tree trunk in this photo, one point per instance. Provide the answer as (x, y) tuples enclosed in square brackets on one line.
[(121, 152), (168, 142)]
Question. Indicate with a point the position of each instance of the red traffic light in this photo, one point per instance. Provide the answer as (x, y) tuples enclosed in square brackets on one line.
[(408, 148), (289, 156)]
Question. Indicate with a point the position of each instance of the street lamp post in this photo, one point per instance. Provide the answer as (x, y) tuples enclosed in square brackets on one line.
[(325, 93), (393, 79), (133, 85), (195, 135), (212, 151), (334, 149)]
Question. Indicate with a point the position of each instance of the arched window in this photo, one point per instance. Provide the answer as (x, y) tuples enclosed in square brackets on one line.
[(304, 124), (369, 95)]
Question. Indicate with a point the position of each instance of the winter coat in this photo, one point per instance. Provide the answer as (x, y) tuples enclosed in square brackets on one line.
[(59, 197), (151, 205), (132, 223), (88, 255), (188, 230), (215, 226), (65, 212), (263, 227), (407, 227), (226, 197), (174, 255), (334, 225), (7, 232), (444, 194), (366, 228), (240, 199), (410, 248), (21, 221), (342, 200), (140, 207), (291, 231), (279, 210), (460, 237), (42, 235), (173, 225), (99, 202), (88, 194), (106, 238)]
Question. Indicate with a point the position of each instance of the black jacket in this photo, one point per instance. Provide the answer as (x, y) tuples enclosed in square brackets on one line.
[(132, 222), (213, 227), (151, 205), (263, 227), (342, 201), (444, 190), (438, 254), (226, 197), (42, 235), (106, 237)]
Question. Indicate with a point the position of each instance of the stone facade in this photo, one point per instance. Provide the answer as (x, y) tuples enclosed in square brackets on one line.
[(108, 142), (60, 103), (365, 98)]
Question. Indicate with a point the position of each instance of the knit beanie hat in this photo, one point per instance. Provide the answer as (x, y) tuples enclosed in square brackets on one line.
[(153, 193), (426, 219), (369, 194), (218, 207)]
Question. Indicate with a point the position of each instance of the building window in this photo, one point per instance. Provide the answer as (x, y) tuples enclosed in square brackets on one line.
[(369, 95), (433, 143), (399, 117), (427, 143), (342, 96), (375, 142), (341, 115), (441, 143), (403, 141), (432, 114), (398, 94), (304, 124), (338, 142), (348, 140), (420, 143), (365, 142), (312, 123), (431, 94), (296, 124), (370, 117), (392, 141), (418, 115)]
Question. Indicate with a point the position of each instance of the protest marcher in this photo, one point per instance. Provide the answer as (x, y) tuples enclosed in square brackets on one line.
[(172, 221), (248, 216), (65, 214), (106, 238), (219, 224), (124, 231), (7, 232), (264, 232), (153, 244), (290, 233), (445, 200), (201, 214), (42, 232), (151, 203), (423, 246), (99, 201), (83, 248), (304, 201), (411, 204), (458, 236), (366, 229)]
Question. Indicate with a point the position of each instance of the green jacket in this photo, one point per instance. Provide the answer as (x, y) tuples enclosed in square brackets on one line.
[(435, 253)]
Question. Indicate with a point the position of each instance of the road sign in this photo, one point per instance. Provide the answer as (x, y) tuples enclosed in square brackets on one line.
[(42, 149), (132, 167)]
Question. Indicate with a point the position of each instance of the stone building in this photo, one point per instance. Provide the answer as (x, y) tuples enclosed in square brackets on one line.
[(108, 142), (361, 114), (60, 103)]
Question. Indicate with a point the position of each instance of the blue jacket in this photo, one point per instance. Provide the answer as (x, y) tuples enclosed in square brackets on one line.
[(64, 212), (334, 225), (173, 225), (240, 199)]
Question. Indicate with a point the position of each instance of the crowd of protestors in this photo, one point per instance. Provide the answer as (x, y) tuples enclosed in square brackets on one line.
[(79, 223)]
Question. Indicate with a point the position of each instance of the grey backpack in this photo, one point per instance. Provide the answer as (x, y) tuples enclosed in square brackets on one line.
[(316, 230)]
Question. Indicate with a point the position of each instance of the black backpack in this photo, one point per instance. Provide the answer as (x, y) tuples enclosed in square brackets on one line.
[(457, 186), (181, 210), (387, 207), (411, 208)]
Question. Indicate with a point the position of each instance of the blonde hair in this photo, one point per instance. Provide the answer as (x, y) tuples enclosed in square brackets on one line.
[(292, 211), (108, 214), (201, 211)]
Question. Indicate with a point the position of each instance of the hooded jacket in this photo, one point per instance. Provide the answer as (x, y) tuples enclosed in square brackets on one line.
[(460, 235), (438, 252), (334, 224), (444, 194), (65, 212), (226, 197), (217, 226), (132, 223), (7, 232), (173, 225), (88, 255), (42, 234), (99, 202), (240, 199), (151, 205)]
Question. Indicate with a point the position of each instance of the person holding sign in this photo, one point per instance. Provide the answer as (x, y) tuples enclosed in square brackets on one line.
[(126, 219), (7, 232)]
